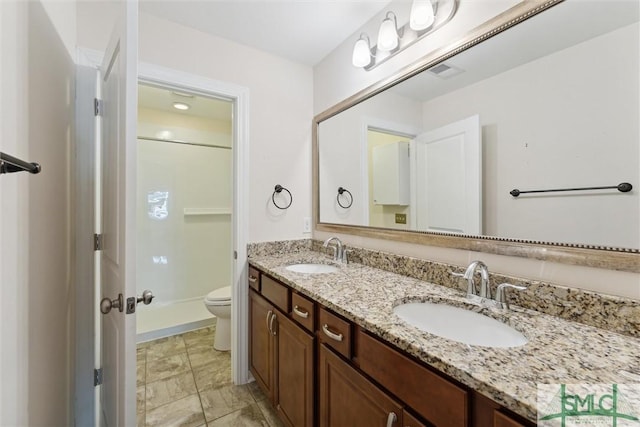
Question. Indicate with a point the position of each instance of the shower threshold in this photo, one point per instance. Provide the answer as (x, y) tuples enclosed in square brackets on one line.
[(155, 322)]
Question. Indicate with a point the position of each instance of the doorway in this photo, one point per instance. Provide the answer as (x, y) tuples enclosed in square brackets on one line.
[(184, 207), (89, 319), (238, 96)]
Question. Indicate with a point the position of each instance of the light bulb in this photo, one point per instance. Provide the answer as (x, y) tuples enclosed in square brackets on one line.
[(181, 106), (361, 53), (422, 15), (388, 33)]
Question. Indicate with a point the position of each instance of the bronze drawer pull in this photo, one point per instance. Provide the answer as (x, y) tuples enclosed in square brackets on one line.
[(333, 336)]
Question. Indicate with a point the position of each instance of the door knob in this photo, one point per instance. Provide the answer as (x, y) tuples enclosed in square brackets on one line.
[(107, 304), (146, 298)]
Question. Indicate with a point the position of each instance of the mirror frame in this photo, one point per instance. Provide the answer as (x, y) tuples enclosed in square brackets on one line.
[(621, 259)]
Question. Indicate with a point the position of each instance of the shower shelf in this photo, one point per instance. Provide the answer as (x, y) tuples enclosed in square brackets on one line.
[(206, 211)]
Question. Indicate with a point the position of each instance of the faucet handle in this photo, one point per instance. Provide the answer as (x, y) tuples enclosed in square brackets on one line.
[(345, 255), (453, 273), (501, 293)]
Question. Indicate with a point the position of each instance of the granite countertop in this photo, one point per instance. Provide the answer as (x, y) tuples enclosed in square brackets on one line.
[(558, 351)]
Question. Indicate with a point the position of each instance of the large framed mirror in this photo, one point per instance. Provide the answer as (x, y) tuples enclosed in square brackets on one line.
[(461, 149)]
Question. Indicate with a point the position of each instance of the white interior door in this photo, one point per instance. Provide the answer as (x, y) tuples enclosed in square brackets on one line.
[(117, 212), (447, 169)]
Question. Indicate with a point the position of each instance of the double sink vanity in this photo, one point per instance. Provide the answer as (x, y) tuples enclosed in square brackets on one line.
[(346, 344), (388, 340)]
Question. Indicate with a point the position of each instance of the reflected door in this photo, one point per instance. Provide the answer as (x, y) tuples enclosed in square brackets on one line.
[(447, 178)]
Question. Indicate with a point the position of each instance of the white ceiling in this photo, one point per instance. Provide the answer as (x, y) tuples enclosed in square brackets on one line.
[(304, 31)]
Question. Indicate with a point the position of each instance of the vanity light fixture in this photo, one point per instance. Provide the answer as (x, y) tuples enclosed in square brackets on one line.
[(362, 52), (388, 33), (181, 106), (426, 17), (422, 15)]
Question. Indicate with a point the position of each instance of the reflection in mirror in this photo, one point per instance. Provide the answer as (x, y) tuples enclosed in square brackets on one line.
[(550, 103)]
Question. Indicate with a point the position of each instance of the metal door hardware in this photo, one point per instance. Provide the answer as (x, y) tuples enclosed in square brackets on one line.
[(132, 302), (146, 298), (107, 304)]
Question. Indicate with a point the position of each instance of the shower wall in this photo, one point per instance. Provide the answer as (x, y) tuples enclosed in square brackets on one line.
[(184, 206)]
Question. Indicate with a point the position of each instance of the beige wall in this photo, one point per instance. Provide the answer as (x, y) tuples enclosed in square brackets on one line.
[(521, 152), (13, 207), (62, 14), (343, 152), (280, 98), (37, 299), (336, 79)]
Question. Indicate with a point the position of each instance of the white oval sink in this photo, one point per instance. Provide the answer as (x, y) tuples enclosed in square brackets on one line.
[(312, 268), (459, 324)]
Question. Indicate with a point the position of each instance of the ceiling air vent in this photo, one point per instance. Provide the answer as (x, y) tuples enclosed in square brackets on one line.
[(444, 71)]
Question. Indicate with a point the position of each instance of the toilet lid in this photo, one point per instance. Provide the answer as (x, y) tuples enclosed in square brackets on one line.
[(222, 294)]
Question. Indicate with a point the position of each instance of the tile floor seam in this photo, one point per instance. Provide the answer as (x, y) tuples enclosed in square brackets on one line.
[(194, 346), (204, 415)]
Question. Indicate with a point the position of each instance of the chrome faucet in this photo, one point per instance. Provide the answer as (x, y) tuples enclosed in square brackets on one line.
[(485, 290), (337, 250), (484, 296)]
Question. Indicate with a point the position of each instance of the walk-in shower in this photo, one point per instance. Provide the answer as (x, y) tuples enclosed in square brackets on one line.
[(184, 207)]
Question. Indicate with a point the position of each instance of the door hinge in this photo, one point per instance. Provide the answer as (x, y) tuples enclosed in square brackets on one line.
[(97, 377), (97, 242), (235, 254), (97, 106)]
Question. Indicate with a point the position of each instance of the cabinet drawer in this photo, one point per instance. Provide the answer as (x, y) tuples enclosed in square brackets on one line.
[(275, 292), (302, 311), (254, 278), (409, 420), (501, 420), (436, 399), (335, 332)]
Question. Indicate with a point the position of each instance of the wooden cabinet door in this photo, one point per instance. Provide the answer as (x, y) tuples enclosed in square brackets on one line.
[(295, 384), (502, 420), (349, 399), (262, 343)]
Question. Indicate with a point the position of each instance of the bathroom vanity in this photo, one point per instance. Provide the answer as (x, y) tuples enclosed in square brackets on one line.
[(328, 350), (310, 360)]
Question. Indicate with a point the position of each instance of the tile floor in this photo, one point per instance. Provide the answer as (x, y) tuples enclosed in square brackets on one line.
[(183, 381)]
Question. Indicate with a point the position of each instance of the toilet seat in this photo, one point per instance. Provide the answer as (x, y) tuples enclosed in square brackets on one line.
[(220, 296)]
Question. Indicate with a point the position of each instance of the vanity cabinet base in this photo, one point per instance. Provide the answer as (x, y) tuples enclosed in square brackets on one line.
[(281, 358), (350, 378)]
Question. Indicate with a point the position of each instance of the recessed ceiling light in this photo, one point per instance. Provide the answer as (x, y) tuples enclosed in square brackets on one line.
[(164, 134), (181, 106)]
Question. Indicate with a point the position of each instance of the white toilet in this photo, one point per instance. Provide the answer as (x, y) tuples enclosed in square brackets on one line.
[(218, 303)]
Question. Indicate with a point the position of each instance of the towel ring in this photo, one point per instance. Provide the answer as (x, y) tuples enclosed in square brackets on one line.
[(278, 189), (341, 191)]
